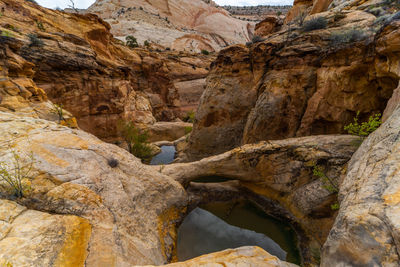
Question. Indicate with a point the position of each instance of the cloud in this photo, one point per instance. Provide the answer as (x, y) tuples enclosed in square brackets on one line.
[(87, 3), (65, 3)]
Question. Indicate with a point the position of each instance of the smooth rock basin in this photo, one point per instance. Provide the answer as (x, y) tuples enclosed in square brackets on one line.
[(166, 156), (219, 226)]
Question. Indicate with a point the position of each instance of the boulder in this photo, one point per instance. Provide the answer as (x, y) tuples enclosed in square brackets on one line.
[(167, 131), (132, 210), (243, 256)]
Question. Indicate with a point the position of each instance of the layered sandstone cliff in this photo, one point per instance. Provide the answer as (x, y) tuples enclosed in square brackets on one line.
[(79, 64), (297, 82), (179, 24)]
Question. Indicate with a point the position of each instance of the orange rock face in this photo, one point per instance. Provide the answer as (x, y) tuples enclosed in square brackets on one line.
[(79, 64), (269, 25), (298, 83)]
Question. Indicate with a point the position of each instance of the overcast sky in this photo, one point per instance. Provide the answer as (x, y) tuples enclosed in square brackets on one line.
[(87, 3)]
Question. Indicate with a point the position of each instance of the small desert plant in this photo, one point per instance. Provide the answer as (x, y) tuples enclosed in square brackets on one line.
[(377, 11), (58, 110), (40, 26), (349, 36), (16, 173), (6, 33), (338, 16), (135, 139), (335, 206), (315, 24), (146, 43), (300, 18), (205, 52), (131, 41), (34, 40), (189, 117), (188, 129), (365, 128), (329, 184)]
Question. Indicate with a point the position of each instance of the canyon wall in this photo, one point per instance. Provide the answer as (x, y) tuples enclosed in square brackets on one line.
[(100, 81), (299, 82)]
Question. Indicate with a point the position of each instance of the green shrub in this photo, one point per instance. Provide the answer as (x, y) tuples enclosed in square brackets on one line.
[(315, 24), (188, 129), (131, 41), (146, 43), (135, 139), (329, 184), (34, 40), (40, 26), (335, 206), (6, 33), (300, 18), (365, 128), (338, 16), (205, 52), (349, 36), (15, 174), (58, 110), (189, 117)]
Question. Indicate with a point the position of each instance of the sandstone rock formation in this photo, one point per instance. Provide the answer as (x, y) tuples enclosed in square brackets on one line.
[(179, 24), (244, 256), (281, 171), (167, 131), (34, 238), (268, 25), (79, 64), (366, 231), (132, 210), (299, 83)]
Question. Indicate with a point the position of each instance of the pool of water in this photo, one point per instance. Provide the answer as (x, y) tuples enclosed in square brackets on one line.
[(218, 226), (166, 156)]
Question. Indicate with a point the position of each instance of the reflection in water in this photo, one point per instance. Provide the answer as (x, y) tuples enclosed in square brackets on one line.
[(232, 226), (202, 233), (166, 156)]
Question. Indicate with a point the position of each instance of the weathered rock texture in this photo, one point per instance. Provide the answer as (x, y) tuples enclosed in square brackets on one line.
[(244, 256), (298, 83), (268, 25), (132, 210), (28, 235), (282, 171), (366, 231), (94, 76), (191, 25)]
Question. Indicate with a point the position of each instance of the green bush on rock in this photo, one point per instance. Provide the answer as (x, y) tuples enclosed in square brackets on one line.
[(135, 139), (16, 173), (365, 128)]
